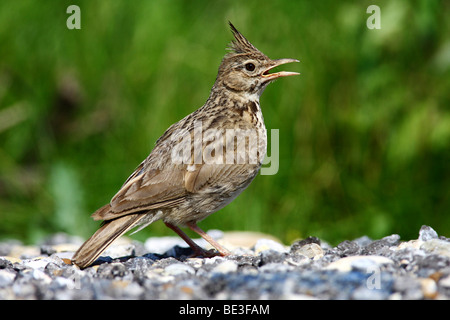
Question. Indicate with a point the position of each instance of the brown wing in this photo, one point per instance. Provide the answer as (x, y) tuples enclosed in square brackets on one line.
[(229, 177), (167, 188), (145, 190)]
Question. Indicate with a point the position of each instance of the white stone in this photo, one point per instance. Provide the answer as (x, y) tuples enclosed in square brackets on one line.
[(427, 233), (63, 282), (41, 276), (161, 245), (196, 263), (213, 260), (445, 282), (311, 250), (178, 268), (359, 262), (6, 277), (226, 267), (437, 246), (119, 250), (412, 244), (39, 263), (268, 244)]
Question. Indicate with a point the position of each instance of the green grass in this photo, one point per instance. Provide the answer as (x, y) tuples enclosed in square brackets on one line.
[(364, 131)]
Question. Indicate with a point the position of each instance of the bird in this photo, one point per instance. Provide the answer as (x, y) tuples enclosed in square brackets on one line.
[(201, 163)]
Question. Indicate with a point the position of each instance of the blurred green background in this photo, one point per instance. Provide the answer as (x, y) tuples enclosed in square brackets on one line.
[(364, 131)]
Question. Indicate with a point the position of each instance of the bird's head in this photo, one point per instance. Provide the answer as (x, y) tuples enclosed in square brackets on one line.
[(246, 70)]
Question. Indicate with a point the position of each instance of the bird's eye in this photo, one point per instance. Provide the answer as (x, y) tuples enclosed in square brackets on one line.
[(250, 66)]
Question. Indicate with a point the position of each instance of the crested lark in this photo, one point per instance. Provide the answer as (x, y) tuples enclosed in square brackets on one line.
[(201, 163)]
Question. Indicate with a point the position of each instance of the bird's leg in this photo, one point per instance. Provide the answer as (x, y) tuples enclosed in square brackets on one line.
[(222, 251), (198, 251)]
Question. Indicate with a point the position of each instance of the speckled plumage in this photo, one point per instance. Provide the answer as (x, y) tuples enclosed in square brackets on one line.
[(211, 171)]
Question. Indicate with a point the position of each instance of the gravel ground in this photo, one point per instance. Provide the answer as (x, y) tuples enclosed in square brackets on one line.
[(260, 268)]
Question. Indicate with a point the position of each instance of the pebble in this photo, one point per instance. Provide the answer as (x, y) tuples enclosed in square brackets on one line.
[(359, 263), (311, 250), (162, 244), (226, 266), (263, 268), (176, 269), (445, 282), (268, 244), (427, 233), (437, 246), (6, 277)]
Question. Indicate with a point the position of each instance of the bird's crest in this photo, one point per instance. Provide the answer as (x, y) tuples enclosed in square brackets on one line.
[(240, 44)]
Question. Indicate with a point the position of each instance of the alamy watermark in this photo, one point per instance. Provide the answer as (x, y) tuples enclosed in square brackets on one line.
[(225, 146), (374, 20), (74, 20), (373, 282)]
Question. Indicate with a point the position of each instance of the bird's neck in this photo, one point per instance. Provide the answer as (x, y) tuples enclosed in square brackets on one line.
[(242, 103), (220, 94)]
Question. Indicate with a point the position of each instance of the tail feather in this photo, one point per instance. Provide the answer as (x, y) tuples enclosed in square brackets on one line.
[(100, 240)]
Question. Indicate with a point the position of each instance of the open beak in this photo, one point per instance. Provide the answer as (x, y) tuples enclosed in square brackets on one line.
[(272, 76)]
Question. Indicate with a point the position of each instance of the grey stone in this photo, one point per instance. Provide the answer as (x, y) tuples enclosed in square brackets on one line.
[(272, 256), (347, 248), (6, 277), (176, 269), (427, 233)]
